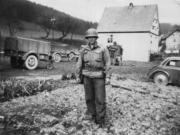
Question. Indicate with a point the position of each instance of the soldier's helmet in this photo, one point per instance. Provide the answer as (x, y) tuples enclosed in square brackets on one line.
[(91, 33)]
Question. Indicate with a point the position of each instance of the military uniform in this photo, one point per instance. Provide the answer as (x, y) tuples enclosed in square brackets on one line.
[(112, 51), (116, 52), (92, 64)]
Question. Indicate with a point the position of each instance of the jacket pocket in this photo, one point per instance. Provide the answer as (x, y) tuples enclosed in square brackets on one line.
[(98, 57)]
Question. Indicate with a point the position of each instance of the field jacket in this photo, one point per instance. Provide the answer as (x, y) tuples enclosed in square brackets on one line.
[(115, 50), (93, 62)]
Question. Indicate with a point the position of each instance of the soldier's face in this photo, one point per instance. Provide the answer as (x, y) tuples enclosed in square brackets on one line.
[(92, 40)]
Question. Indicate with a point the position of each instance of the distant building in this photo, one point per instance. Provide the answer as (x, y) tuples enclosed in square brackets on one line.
[(171, 41), (135, 28)]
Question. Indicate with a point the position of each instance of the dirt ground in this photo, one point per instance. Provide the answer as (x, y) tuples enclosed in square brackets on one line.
[(129, 68), (6, 71), (135, 106)]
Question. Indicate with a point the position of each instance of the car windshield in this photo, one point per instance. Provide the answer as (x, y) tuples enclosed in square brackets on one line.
[(164, 62)]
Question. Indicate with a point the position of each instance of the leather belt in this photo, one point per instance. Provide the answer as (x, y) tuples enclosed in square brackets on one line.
[(92, 68)]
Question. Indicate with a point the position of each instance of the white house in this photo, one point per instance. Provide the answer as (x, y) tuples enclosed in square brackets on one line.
[(172, 41), (135, 28)]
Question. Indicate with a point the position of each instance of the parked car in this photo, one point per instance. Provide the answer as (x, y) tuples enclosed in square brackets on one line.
[(167, 72), (27, 52)]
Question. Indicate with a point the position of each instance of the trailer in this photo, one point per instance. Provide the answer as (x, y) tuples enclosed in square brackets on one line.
[(60, 53), (27, 52)]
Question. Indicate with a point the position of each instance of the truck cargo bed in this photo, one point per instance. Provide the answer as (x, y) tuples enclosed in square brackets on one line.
[(21, 44)]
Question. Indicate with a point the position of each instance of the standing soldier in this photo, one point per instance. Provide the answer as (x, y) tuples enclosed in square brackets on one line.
[(112, 51), (117, 53), (93, 64)]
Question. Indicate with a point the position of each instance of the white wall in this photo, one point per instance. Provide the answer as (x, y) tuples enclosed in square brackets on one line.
[(173, 41), (136, 45), (154, 43)]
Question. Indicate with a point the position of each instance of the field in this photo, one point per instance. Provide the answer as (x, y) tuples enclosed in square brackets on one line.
[(135, 106), (50, 102)]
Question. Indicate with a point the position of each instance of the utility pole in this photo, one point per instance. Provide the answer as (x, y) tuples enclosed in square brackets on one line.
[(53, 19)]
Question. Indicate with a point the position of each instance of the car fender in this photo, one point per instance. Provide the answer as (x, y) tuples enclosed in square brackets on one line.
[(28, 53), (151, 75), (56, 52), (60, 53)]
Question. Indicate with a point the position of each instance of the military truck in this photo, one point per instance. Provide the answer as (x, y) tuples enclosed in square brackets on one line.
[(27, 52)]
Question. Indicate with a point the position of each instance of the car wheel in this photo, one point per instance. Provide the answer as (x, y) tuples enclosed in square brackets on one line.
[(57, 57), (161, 79), (71, 56), (31, 62)]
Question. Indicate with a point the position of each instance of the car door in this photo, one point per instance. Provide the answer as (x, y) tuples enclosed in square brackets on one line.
[(178, 71), (173, 68)]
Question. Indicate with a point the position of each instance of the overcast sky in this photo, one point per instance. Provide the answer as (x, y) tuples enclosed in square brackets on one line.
[(91, 10)]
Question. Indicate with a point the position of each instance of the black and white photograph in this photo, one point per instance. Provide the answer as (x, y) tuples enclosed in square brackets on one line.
[(89, 67)]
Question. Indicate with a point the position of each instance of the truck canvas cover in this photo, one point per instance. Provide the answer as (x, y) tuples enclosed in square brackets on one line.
[(27, 45)]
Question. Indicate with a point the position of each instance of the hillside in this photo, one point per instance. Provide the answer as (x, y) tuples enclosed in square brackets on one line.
[(14, 12), (166, 27), (31, 30)]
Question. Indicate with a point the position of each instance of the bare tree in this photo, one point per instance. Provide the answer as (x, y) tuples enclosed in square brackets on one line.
[(64, 25), (74, 27), (46, 25)]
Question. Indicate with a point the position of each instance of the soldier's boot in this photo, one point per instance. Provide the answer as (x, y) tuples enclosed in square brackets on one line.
[(89, 116), (100, 122)]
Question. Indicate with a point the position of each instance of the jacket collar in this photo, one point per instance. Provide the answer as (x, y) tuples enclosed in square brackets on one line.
[(92, 47)]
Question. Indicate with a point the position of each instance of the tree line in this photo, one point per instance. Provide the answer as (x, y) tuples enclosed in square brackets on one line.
[(12, 12)]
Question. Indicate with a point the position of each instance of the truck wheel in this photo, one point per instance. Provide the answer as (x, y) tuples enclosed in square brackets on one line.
[(161, 79), (31, 62), (57, 57), (71, 56)]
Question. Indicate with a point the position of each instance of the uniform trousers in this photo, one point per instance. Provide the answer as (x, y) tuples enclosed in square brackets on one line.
[(95, 96)]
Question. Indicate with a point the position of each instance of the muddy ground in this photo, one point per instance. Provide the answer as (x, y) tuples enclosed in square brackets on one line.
[(135, 106), (137, 70)]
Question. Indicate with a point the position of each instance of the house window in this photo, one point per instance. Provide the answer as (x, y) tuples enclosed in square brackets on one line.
[(110, 39)]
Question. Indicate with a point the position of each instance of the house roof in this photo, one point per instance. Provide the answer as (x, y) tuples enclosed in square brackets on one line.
[(169, 34), (127, 19)]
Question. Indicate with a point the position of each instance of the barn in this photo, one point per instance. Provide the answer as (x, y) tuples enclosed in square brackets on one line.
[(135, 28)]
